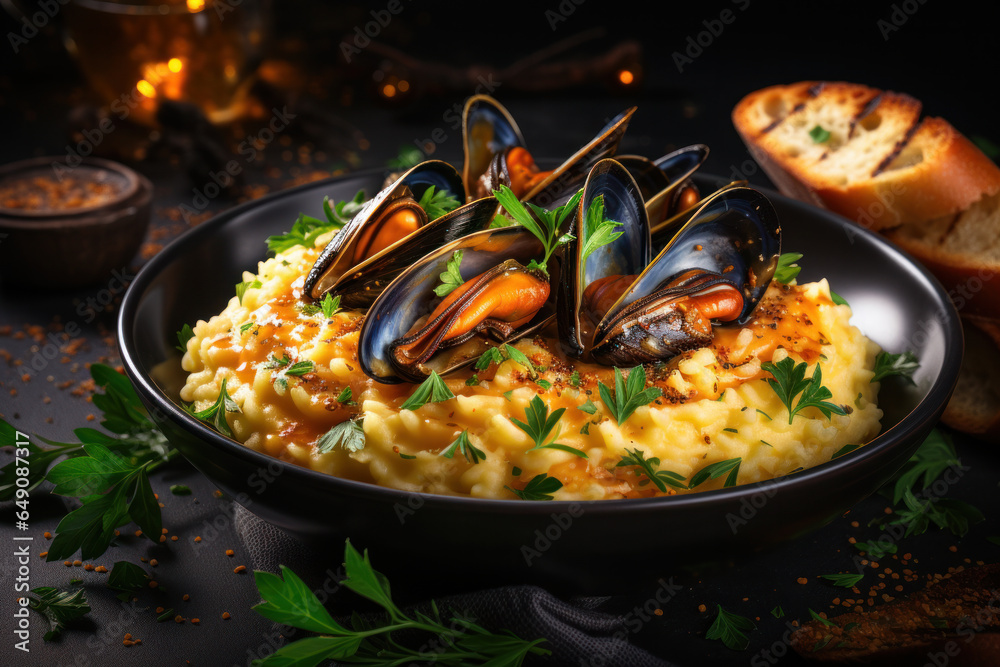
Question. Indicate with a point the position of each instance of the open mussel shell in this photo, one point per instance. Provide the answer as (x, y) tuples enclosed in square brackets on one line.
[(361, 285), (411, 296), (567, 178), (734, 237), (665, 230), (627, 255), (488, 129), (338, 256), (662, 182)]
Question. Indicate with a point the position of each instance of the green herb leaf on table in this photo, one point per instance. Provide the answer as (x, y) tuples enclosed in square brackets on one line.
[(539, 487), (127, 578), (183, 336), (876, 548), (716, 470), (600, 230), (180, 489), (288, 601), (731, 629), (904, 364), (349, 434), (431, 390), (945, 513), (789, 381), (628, 394), (544, 225), (541, 424), (778, 612), (843, 580), (452, 276), (437, 202), (60, 608), (241, 288), (935, 455), (661, 478), (825, 621), (463, 445), (787, 270)]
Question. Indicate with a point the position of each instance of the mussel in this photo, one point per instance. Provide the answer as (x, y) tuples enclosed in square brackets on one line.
[(621, 309), (665, 184), (370, 251), (409, 331), (495, 155)]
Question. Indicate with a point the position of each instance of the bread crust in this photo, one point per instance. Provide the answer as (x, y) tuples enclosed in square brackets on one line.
[(982, 351)]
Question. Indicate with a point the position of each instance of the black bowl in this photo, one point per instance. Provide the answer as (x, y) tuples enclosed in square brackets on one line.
[(588, 546)]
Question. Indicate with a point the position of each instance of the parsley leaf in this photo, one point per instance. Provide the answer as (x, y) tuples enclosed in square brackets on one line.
[(787, 269), (241, 288), (452, 276), (935, 455), (876, 548), (716, 470), (462, 443), (183, 336), (843, 580), (839, 300), (306, 229), (329, 305), (496, 355), (955, 515), (541, 424), (600, 230), (661, 478), (289, 601), (730, 628), (587, 407), (903, 364), (431, 390), (825, 621), (345, 395), (245, 326), (789, 381), (349, 434), (58, 607), (574, 379), (127, 578), (545, 225), (819, 135), (539, 487), (216, 413), (628, 395), (778, 612), (437, 202)]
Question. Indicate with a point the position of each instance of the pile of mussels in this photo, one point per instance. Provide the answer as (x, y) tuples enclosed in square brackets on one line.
[(618, 305)]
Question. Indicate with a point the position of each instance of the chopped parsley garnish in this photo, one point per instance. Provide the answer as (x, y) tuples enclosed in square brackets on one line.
[(539, 487), (246, 326), (716, 470), (789, 380), (661, 478), (731, 629), (541, 424), (437, 202), (588, 407), (839, 300), (216, 413), (546, 227), (600, 230), (496, 355), (628, 394), (544, 384), (464, 446), (452, 276), (349, 434), (904, 364), (345, 396), (778, 612), (330, 305), (765, 414), (819, 135), (183, 336), (241, 288), (299, 368), (431, 390), (472, 381), (306, 229), (574, 379), (787, 270)]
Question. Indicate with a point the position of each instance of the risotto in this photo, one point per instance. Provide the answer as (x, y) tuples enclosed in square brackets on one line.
[(717, 412)]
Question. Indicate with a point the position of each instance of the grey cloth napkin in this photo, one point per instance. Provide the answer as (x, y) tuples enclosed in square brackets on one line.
[(578, 633)]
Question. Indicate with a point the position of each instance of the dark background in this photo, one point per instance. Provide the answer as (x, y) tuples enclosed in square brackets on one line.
[(942, 53)]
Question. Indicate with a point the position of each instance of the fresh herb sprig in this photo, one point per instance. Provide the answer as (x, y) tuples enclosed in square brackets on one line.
[(660, 478), (789, 380), (437, 202), (539, 487), (349, 434), (731, 629), (541, 424), (600, 230), (729, 467), (787, 270), (464, 446), (451, 278), (496, 355), (60, 608), (904, 364), (183, 336), (241, 288), (215, 414), (289, 601), (843, 580), (431, 390), (628, 395), (545, 225), (306, 229)]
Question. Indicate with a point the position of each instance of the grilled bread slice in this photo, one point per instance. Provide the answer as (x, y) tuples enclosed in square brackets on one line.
[(975, 406), (863, 153)]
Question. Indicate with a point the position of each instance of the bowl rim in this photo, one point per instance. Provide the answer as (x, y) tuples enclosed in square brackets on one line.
[(928, 409), (137, 190)]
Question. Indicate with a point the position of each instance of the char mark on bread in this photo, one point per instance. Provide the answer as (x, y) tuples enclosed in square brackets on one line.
[(897, 149)]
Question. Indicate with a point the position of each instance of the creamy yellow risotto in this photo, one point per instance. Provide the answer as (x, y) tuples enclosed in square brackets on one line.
[(716, 404)]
